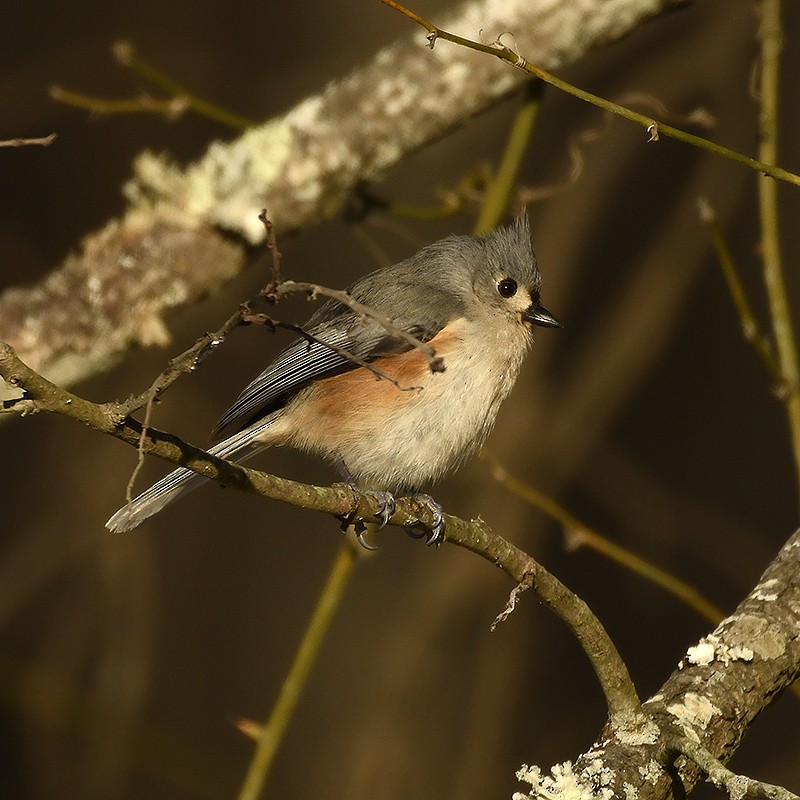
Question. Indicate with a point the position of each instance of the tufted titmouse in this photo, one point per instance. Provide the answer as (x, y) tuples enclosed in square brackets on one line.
[(473, 299)]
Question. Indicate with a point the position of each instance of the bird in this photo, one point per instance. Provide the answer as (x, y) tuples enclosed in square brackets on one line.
[(354, 393)]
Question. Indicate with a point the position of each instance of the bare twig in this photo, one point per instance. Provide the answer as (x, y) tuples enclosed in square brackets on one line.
[(185, 362), (42, 141), (750, 328), (654, 127), (273, 324), (511, 603), (272, 246), (125, 54), (435, 363), (182, 364), (577, 534), (152, 394), (172, 108), (376, 371), (738, 787)]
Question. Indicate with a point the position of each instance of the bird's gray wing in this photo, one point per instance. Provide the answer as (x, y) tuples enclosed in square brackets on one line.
[(410, 293), (321, 355)]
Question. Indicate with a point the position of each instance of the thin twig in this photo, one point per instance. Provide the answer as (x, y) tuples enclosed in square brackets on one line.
[(273, 324), (272, 246), (124, 53), (738, 787), (41, 141), (346, 354), (511, 603), (653, 127), (185, 362), (152, 393), (750, 328), (172, 108), (435, 363), (179, 101), (576, 533)]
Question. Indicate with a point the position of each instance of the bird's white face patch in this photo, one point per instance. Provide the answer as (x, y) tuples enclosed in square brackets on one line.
[(514, 296), (521, 301)]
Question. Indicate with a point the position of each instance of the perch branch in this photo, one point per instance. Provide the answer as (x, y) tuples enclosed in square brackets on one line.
[(343, 501)]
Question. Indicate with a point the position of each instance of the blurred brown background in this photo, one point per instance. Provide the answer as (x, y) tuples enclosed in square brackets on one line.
[(125, 659)]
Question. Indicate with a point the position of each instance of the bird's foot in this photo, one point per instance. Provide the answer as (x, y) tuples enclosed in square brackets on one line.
[(386, 509), (433, 535), (386, 505)]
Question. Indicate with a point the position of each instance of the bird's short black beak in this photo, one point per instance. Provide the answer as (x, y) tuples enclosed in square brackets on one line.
[(537, 314)]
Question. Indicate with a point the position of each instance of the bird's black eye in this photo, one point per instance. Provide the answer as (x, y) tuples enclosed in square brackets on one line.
[(507, 287)]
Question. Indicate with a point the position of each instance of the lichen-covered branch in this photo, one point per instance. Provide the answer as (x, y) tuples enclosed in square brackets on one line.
[(721, 685)]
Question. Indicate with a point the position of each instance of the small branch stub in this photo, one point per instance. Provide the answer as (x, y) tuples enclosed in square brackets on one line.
[(523, 586), (41, 141)]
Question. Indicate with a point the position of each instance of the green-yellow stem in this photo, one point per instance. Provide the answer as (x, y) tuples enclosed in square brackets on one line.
[(578, 534), (750, 328), (271, 734), (782, 328), (124, 53), (501, 187)]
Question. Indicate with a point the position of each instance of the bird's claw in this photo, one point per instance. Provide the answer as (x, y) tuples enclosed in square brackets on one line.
[(386, 509), (360, 529), (433, 535), (386, 505)]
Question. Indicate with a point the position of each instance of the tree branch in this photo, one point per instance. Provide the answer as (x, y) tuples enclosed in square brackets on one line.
[(719, 688), (344, 502), (655, 128)]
